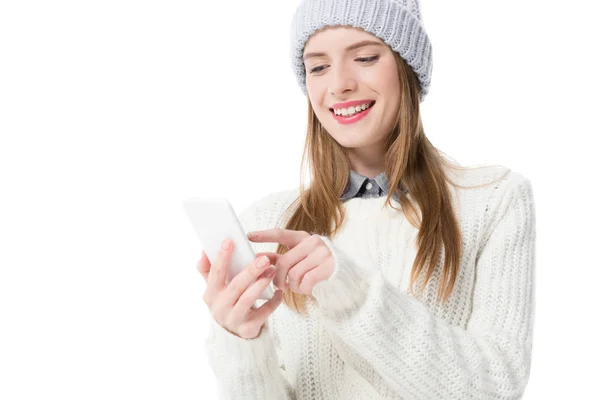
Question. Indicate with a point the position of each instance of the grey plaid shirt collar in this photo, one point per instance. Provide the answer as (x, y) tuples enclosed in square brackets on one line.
[(363, 186)]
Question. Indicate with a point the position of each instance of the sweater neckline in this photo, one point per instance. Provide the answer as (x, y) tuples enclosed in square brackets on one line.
[(370, 207)]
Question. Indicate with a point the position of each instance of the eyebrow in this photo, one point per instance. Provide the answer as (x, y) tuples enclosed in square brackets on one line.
[(351, 47)]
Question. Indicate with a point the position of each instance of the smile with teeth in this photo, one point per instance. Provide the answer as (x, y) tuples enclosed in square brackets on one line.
[(350, 111)]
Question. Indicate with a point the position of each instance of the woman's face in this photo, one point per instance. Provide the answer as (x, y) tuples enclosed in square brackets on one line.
[(338, 72)]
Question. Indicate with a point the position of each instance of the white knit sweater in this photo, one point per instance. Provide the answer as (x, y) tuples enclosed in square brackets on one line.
[(368, 338)]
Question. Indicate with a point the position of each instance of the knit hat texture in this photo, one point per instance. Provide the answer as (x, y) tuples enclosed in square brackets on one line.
[(398, 23)]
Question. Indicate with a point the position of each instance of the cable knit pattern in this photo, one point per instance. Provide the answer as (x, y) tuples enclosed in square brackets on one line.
[(367, 338)]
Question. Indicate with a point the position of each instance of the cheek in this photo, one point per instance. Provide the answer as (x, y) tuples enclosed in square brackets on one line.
[(382, 80), (314, 91), (316, 95)]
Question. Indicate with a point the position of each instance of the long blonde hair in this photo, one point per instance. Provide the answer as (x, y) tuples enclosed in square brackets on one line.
[(411, 158)]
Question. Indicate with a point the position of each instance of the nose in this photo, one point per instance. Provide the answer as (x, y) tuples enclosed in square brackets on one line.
[(342, 80)]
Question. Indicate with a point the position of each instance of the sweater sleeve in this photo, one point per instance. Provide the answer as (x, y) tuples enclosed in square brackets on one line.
[(420, 355), (247, 368)]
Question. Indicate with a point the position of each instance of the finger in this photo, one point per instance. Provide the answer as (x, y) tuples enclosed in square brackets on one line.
[(262, 313), (203, 266), (218, 271), (296, 275), (273, 257), (252, 293), (310, 279), (286, 237), (288, 260), (241, 281)]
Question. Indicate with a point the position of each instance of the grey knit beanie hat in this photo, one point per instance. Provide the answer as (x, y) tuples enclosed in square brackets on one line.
[(398, 23)]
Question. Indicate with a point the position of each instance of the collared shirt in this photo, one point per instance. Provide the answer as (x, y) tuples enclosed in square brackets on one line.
[(363, 186)]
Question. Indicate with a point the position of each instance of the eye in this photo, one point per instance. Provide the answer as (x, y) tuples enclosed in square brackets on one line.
[(367, 59), (363, 60), (317, 69)]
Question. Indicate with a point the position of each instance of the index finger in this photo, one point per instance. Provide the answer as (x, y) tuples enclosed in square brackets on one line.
[(286, 237)]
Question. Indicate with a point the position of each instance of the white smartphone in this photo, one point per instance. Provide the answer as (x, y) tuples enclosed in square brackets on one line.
[(214, 219)]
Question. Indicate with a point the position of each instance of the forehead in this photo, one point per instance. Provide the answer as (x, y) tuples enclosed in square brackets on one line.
[(337, 38)]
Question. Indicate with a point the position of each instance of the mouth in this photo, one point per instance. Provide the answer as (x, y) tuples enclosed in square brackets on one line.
[(351, 114)]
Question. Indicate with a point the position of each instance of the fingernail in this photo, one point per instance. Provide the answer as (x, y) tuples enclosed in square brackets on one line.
[(251, 234), (226, 244), (270, 273), (262, 262)]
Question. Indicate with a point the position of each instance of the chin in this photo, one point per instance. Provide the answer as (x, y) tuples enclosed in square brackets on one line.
[(351, 141)]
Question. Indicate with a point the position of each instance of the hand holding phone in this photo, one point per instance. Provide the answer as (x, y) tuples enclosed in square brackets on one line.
[(235, 277), (232, 305)]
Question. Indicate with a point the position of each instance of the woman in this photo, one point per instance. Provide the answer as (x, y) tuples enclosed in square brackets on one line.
[(385, 212)]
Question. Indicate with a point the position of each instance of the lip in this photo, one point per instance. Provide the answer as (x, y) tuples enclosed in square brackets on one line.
[(355, 118)]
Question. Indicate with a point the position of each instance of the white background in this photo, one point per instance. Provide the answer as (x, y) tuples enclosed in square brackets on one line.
[(111, 112)]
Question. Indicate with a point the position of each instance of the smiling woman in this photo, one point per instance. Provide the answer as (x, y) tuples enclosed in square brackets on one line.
[(385, 212)]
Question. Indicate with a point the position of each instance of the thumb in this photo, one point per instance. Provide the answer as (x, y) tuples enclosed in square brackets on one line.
[(203, 266)]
